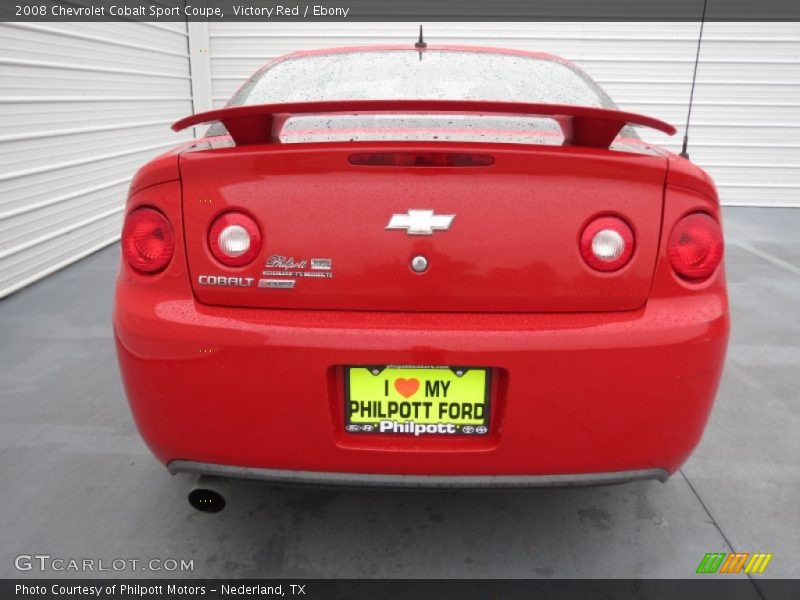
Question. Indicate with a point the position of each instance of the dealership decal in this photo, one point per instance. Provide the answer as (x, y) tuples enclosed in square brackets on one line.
[(321, 264), (280, 272), (278, 265), (276, 261)]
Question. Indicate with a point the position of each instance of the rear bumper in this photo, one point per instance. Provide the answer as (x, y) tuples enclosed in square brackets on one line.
[(579, 398), (365, 480)]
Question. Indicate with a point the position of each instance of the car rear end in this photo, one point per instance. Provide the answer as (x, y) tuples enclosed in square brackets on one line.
[(422, 312)]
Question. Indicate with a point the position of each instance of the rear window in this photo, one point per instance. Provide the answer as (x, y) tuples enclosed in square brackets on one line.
[(407, 74), (433, 74)]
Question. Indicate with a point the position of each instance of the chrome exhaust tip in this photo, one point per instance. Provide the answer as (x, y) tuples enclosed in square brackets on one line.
[(208, 494)]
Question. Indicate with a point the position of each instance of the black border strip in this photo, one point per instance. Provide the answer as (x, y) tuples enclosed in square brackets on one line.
[(408, 10), (423, 589)]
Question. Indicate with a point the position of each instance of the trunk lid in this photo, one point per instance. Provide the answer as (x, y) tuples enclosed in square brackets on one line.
[(512, 245)]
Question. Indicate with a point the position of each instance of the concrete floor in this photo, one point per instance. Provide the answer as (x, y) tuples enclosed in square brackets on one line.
[(79, 483)]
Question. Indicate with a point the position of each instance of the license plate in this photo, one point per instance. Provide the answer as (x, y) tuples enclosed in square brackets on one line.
[(417, 401)]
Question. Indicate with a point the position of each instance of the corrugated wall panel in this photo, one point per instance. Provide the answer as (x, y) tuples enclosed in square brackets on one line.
[(746, 115), (83, 106)]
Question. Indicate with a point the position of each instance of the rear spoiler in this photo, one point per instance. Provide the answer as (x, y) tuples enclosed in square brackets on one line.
[(581, 125)]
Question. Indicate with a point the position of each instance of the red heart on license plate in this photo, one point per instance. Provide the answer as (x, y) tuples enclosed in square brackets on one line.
[(406, 387)]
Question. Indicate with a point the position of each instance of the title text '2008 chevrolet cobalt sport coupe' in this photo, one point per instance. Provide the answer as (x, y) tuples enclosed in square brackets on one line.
[(448, 266)]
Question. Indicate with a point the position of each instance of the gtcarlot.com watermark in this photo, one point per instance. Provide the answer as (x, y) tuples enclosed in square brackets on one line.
[(57, 564)]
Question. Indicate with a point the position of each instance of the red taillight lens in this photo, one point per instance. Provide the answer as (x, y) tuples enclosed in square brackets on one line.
[(148, 241), (234, 239), (695, 246), (421, 159), (607, 244)]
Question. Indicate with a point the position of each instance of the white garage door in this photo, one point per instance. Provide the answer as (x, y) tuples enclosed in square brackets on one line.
[(83, 105), (746, 117)]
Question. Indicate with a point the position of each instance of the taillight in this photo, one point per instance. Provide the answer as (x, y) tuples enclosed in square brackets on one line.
[(607, 243), (695, 246), (148, 241), (234, 239)]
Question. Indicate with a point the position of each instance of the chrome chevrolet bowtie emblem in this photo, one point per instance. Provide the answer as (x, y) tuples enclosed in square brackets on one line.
[(420, 222)]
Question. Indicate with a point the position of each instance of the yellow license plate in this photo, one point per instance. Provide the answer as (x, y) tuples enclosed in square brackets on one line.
[(410, 400)]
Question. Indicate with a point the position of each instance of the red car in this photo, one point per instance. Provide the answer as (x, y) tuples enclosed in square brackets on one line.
[(425, 266)]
